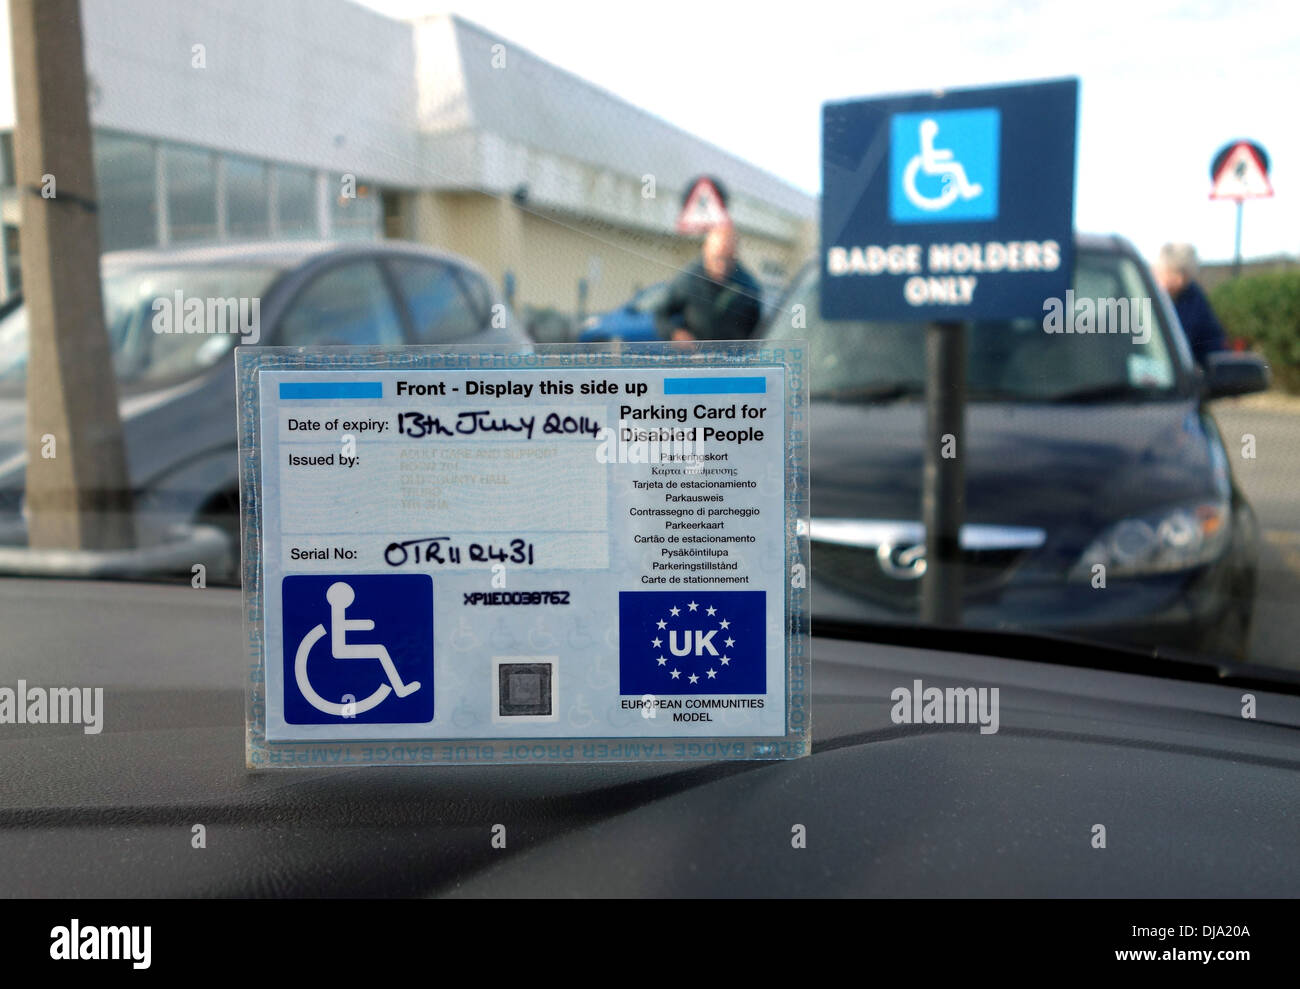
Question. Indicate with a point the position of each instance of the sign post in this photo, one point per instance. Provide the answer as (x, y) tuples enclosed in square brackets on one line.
[(1236, 244), (944, 208), (1239, 172), (943, 490)]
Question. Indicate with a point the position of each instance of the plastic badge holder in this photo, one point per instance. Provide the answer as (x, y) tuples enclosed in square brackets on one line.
[(578, 553)]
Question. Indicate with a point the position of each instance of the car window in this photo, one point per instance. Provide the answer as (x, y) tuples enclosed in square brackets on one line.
[(440, 311), (163, 322), (348, 304)]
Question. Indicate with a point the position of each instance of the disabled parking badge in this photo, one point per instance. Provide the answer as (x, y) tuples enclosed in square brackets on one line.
[(575, 554)]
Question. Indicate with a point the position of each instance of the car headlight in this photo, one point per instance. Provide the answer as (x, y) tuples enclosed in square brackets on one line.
[(1166, 541), (590, 322)]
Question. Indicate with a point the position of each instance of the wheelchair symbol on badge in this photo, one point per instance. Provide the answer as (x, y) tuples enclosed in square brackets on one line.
[(340, 596), (937, 161)]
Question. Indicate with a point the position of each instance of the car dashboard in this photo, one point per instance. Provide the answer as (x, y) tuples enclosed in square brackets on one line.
[(1194, 799)]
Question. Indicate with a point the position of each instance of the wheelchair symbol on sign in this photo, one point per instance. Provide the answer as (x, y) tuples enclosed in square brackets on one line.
[(940, 162), (340, 595)]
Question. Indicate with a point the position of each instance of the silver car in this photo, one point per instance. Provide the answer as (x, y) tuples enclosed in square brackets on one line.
[(176, 382)]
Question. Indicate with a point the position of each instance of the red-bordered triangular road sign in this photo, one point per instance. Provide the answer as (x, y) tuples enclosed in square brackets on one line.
[(703, 209), (1241, 175)]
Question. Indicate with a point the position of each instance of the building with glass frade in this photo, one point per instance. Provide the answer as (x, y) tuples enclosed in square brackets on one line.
[(239, 120)]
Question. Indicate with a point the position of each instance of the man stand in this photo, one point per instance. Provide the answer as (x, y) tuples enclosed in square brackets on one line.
[(715, 298), (1176, 270)]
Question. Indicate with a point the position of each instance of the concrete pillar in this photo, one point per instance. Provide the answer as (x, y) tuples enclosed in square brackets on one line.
[(78, 497)]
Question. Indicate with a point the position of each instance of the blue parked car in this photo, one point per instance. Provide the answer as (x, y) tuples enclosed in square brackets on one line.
[(635, 321)]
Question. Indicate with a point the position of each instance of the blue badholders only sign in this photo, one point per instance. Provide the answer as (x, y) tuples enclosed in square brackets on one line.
[(948, 206)]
